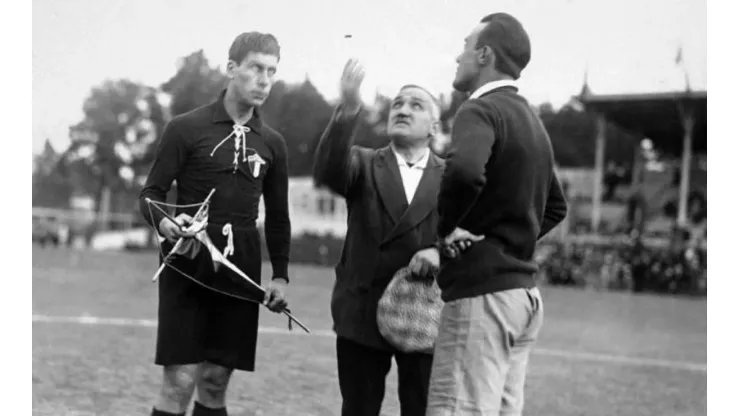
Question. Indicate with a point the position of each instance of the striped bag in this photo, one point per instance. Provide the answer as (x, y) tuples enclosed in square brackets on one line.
[(408, 312)]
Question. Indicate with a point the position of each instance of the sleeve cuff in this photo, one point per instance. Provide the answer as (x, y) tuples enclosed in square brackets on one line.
[(280, 271), (345, 114)]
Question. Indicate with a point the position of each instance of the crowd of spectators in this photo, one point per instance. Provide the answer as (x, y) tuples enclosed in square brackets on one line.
[(628, 262)]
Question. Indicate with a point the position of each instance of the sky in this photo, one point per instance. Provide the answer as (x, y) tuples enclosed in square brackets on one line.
[(624, 47)]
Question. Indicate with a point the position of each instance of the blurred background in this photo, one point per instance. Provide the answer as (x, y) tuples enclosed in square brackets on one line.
[(620, 87)]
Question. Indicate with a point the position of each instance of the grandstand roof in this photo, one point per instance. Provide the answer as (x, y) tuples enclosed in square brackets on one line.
[(657, 116)]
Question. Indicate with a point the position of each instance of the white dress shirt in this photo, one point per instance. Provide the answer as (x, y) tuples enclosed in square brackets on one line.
[(411, 175), (490, 86)]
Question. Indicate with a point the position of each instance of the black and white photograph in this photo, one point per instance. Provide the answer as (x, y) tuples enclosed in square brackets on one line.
[(372, 208)]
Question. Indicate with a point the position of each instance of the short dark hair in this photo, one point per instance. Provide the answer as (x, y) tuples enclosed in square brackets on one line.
[(506, 36), (253, 42)]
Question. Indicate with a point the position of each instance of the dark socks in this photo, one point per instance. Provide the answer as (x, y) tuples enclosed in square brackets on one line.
[(156, 412), (200, 410)]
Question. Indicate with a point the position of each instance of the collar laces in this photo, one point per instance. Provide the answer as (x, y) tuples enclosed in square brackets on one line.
[(240, 142)]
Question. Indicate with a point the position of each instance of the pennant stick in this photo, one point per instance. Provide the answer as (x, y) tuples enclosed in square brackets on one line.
[(179, 240), (164, 261), (165, 213), (243, 275), (292, 318)]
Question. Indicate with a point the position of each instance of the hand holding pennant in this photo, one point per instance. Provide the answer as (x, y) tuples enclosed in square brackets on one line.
[(198, 224), (190, 247)]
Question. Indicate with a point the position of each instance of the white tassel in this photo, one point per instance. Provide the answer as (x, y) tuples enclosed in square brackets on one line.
[(227, 231)]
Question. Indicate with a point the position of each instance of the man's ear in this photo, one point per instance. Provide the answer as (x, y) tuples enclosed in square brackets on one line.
[(486, 56), (434, 129), (230, 68)]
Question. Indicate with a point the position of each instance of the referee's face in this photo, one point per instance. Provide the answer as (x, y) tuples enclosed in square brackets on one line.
[(252, 79), (413, 116)]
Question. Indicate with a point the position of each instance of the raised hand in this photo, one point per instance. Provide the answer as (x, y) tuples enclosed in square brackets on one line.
[(350, 83)]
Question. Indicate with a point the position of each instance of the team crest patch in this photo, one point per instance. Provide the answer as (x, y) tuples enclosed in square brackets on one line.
[(255, 161)]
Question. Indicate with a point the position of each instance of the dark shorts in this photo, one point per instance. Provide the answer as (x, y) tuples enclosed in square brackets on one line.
[(199, 324)]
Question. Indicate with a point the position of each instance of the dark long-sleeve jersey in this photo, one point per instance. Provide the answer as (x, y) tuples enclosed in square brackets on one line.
[(194, 151), (499, 182)]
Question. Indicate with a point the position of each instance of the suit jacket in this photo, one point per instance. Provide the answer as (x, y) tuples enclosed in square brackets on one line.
[(383, 230)]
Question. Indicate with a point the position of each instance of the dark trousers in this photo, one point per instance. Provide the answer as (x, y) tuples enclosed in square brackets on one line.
[(362, 374)]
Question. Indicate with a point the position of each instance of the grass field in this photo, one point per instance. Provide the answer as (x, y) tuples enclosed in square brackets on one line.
[(599, 353)]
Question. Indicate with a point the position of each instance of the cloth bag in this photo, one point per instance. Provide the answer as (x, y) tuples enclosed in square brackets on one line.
[(408, 312)]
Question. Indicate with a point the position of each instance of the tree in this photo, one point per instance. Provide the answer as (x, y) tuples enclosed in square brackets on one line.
[(115, 132), (300, 113), (270, 110), (194, 84), (156, 115), (49, 189)]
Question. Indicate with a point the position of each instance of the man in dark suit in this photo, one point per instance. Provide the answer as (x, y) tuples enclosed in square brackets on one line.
[(391, 197), (499, 183)]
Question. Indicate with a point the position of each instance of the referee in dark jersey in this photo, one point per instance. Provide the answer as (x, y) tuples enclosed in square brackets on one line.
[(204, 334)]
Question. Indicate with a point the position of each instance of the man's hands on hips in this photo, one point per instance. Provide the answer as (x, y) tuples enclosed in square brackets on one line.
[(171, 231), (425, 263), (458, 241), (275, 295)]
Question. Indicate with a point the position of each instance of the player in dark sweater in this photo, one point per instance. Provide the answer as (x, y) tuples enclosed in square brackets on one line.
[(499, 188), (203, 335)]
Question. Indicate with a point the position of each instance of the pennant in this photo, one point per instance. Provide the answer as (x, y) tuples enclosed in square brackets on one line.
[(191, 247)]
